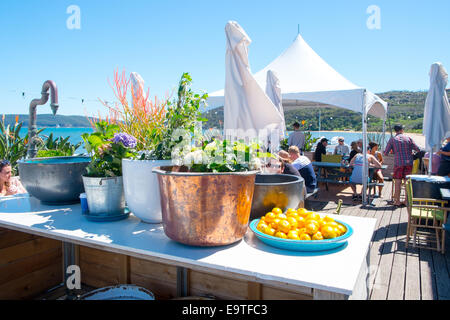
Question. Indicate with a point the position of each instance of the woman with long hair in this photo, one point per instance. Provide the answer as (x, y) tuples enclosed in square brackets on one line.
[(9, 185)]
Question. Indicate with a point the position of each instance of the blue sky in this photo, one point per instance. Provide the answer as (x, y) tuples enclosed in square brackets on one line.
[(162, 39)]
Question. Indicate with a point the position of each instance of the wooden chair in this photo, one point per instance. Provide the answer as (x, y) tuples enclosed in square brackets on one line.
[(426, 214)]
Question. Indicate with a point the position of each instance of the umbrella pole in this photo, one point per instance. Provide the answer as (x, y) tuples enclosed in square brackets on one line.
[(365, 161)]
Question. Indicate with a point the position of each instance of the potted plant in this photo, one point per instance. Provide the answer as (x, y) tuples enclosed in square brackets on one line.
[(103, 182), (206, 196), (155, 125)]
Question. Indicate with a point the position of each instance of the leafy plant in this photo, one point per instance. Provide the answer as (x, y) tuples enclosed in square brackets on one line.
[(12, 146), (60, 147), (181, 119), (221, 156), (309, 141), (139, 116), (108, 146)]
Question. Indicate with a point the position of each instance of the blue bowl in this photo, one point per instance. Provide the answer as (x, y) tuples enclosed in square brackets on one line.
[(302, 245)]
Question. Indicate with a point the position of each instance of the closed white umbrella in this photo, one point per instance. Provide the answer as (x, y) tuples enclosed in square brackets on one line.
[(436, 121), (273, 91), (138, 85), (247, 109)]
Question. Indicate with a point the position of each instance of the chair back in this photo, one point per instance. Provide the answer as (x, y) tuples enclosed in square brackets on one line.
[(332, 158), (409, 192)]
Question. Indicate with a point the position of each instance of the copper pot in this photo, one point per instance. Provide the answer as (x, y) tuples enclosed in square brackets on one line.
[(205, 209)]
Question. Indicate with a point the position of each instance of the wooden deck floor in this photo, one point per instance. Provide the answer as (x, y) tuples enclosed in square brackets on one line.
[(396, 273)]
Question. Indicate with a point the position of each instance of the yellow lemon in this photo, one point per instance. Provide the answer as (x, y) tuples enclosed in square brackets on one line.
[(281, 216), (293, 235), (305, 236), (269, 231), (284, 226), (277, 210), (311, 228), (300, 222), (269, 217), (342, 229), (313, 216), (293, 222), (328, 219), (328, 232), (317, 236), (261, 226), (274, 223)]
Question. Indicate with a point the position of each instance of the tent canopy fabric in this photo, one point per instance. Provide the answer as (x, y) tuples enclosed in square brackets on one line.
[(306, 79)]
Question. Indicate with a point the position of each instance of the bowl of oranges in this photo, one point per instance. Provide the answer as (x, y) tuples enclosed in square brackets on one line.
[(301, 230)]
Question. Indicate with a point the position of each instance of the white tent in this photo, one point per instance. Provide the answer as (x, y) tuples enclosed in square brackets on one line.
[(307, 80)]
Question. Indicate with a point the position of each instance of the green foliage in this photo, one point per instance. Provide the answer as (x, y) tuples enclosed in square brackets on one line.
[(12, 147), (50, 153), (106, 155), (181, 118), (61, 146)]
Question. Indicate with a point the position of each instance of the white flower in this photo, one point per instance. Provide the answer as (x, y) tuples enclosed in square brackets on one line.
[(196, 157), (255, 164)]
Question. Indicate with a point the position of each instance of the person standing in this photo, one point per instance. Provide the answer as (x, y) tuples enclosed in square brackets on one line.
[(320, 150), (342, 149), (402, 146), (444, 167), (297, 138)]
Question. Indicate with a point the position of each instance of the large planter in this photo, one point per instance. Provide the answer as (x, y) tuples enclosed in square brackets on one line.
[(205, 209), (54, 181), (277, 190), (428, 187), (105, 196), (142, 189)]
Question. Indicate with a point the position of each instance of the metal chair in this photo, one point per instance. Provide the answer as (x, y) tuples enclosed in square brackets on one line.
[(426, 217)]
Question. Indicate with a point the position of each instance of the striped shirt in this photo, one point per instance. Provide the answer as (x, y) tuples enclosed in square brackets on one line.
[(402, 146)]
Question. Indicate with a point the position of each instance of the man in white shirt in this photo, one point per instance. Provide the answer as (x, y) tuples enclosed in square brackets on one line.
[(297, 138), (342, 149)]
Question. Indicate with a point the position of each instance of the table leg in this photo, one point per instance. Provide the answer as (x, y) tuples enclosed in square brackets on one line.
[(71, 258), (182, 282)]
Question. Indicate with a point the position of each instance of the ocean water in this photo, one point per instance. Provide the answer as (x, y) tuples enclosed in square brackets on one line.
[(75, 136)]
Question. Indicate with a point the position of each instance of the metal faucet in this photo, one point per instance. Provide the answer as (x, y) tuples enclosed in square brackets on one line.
[(32, 127)]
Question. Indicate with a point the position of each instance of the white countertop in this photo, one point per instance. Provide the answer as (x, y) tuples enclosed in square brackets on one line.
[(335, 272)]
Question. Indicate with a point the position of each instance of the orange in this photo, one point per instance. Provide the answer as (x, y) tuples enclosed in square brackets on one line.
[(293, 235), (321, 223), (284, 226), (305, 236), (328, 219), (293, 214), (263, 218), (311, 228), (300, 222), (302, 212), (312, 221), (269, 217), (274, 223), (277, 210), (281, 216), (269, 231), (280, 234), (317, 236), (342, 229), (301, 230), (328, 232), (261, 226), (290, 210), (333, 224), (313, 216), (293, 222)]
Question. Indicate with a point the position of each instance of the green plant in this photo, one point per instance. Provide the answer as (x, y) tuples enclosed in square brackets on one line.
[(309, 141), (107, 146), (60, 147), (221, 156), (12, 146), (181, 118)]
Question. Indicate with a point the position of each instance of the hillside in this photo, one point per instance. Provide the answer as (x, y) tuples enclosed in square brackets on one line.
[(48, 120), (405, 107)]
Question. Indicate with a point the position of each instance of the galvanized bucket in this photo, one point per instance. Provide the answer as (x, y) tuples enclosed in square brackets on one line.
[(105, 196), (119, 292)]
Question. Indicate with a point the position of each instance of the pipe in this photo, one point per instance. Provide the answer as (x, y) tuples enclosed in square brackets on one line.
[(32, 127)]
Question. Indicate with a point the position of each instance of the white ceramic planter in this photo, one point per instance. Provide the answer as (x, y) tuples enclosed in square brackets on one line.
[(142, 189)]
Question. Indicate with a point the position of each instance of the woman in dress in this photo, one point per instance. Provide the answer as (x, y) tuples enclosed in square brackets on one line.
[(378, 175), (357, 173), (9, 185)]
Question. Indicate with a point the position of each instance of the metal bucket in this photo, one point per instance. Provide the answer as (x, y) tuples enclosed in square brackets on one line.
[(119, 292), (277, 190), (105, 196), (205, 209)]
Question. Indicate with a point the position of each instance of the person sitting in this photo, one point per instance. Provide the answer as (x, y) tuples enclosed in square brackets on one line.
[(303, 165), (342, 149), (435, 164), (279, 165), (378, 175), (320, 150), (444, 166), (355, 150), (9, 185), (357, 173)]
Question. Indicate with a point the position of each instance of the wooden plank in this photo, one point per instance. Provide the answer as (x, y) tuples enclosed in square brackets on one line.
[(325, 295), (396, 289), (10, 238), (23, 250), (442, 276), (379, 252), (162, 289), (273, 293), (19, 268), (32, 283), (96, 275), (154, 270), (427, 276), (254, 291)]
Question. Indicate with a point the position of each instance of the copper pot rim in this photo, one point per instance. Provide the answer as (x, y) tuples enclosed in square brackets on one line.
[(165, 171)]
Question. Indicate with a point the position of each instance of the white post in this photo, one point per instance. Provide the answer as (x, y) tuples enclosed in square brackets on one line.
[(384, 132), (430, 161), (365, 162)]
